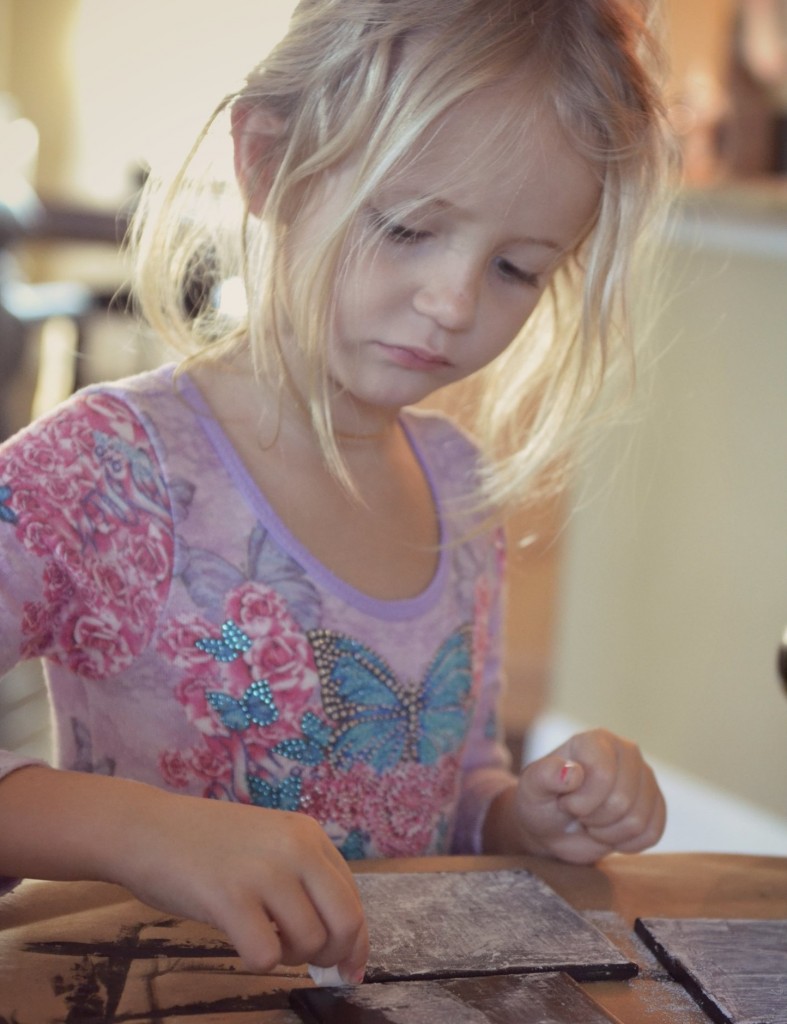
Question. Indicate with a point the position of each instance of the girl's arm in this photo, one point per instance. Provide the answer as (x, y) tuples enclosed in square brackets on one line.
[(271, 880)]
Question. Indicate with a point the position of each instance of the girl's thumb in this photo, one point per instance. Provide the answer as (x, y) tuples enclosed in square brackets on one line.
[(550, 777), (569, 776)]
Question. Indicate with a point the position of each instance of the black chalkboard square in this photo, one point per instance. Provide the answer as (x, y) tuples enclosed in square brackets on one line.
[(736, 970), (497, 999), (468, 923)]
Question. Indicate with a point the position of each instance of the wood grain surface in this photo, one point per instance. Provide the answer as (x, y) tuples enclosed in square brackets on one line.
[(79, 951), (735, 969), (496, 999), (448, 924)]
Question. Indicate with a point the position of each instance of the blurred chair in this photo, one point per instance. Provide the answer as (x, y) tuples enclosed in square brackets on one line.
[(26, 308)]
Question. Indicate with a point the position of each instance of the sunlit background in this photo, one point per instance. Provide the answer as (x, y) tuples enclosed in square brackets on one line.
[(657, 606), (113, 85)]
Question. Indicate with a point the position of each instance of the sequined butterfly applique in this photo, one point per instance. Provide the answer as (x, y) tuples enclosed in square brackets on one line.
[(7, 514), (255, 707), (230, 645), (382, 721), (284, 796), (312, 746)]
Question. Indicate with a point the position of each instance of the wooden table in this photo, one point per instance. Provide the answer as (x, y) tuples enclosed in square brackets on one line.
[(67, 949)]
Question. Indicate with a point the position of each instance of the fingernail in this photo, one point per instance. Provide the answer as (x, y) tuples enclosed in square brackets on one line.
[(358, 976), (566, 770)]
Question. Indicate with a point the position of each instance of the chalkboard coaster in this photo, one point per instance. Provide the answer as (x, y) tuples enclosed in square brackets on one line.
[(450, 924), (499, 999), (736, 970)]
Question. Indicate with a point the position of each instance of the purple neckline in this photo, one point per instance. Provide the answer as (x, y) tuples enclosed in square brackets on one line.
[(392, 610)]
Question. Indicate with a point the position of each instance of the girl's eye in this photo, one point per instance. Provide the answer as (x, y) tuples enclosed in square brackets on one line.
[(400, 234), (511, 272), (404, 235)]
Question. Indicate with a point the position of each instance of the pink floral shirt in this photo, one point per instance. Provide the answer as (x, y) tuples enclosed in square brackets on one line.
[(190, 641)]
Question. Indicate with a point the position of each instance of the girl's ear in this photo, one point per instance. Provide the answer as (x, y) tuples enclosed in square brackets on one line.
[(255, 134)]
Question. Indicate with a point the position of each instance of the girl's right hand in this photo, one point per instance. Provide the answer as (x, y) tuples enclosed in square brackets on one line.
[(271, 880)]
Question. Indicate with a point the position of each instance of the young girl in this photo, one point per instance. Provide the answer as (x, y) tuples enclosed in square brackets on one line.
[(262, 577)]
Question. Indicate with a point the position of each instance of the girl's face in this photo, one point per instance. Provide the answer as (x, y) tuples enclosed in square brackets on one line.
[(449, 287)]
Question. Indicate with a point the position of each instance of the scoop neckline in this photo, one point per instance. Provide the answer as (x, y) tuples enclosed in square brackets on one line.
[(385, 608)]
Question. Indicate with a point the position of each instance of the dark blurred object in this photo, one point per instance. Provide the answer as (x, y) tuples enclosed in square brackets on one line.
[(754, 135), (781, 659), (26, 306)]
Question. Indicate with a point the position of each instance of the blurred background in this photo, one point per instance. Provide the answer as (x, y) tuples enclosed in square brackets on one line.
[(654, 600)]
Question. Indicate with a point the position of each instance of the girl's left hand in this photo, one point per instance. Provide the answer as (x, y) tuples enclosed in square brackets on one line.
[(593, 795)]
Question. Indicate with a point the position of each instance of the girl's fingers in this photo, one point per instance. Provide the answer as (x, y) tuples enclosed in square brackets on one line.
[(286, 925), (594, 794), (641, 826), (251, 931), (620, 802), (612, 778), (302, 932), (542, 785), (339, 905), (550, 777)]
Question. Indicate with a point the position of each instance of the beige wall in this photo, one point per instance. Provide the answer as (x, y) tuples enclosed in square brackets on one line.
[(5, 43), (110, 83), (674, 592), (37, 73), (699, 33)]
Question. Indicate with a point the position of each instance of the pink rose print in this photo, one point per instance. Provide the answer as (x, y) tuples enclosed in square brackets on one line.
[(400, 809), (246, 686), (175, 769), (104, 541), (97, 645)]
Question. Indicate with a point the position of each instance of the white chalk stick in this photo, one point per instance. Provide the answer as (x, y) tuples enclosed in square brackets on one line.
[(326, 977)]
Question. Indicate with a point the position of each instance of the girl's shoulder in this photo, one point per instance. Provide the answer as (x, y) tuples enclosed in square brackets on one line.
[(128, 410)]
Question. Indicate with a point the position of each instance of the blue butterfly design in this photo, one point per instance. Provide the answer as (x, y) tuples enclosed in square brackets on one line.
[(354, 846), (230, 645), (7, 514), (382, 721), (286, 796), (311, 749), (255, 707)]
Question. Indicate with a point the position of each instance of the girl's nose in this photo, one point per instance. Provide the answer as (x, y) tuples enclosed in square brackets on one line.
[(448, 299)]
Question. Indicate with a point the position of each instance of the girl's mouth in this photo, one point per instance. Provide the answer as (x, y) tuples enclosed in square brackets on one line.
[(414, 358)]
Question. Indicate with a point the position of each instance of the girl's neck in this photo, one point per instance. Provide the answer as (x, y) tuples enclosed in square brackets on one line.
[(279, 415), (384, 540)]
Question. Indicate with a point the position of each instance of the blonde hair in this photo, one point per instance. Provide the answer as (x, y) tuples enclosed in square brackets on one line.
[(339, 86)]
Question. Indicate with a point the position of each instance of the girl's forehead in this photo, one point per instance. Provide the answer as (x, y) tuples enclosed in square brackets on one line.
[(502, 139)]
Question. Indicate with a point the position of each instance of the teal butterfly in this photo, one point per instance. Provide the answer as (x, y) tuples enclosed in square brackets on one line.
[(381, 721), (354, 846), (310, 749), (230, 645), (284, 796), (7, 514), (255, 707)]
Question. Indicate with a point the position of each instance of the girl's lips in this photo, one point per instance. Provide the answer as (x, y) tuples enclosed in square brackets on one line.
[(414, 358)]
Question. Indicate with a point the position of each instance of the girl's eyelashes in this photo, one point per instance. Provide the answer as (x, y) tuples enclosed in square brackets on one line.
[(511, 272), (395, 231)]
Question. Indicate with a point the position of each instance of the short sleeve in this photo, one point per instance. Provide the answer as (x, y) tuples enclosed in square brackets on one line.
[(86, 538)]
